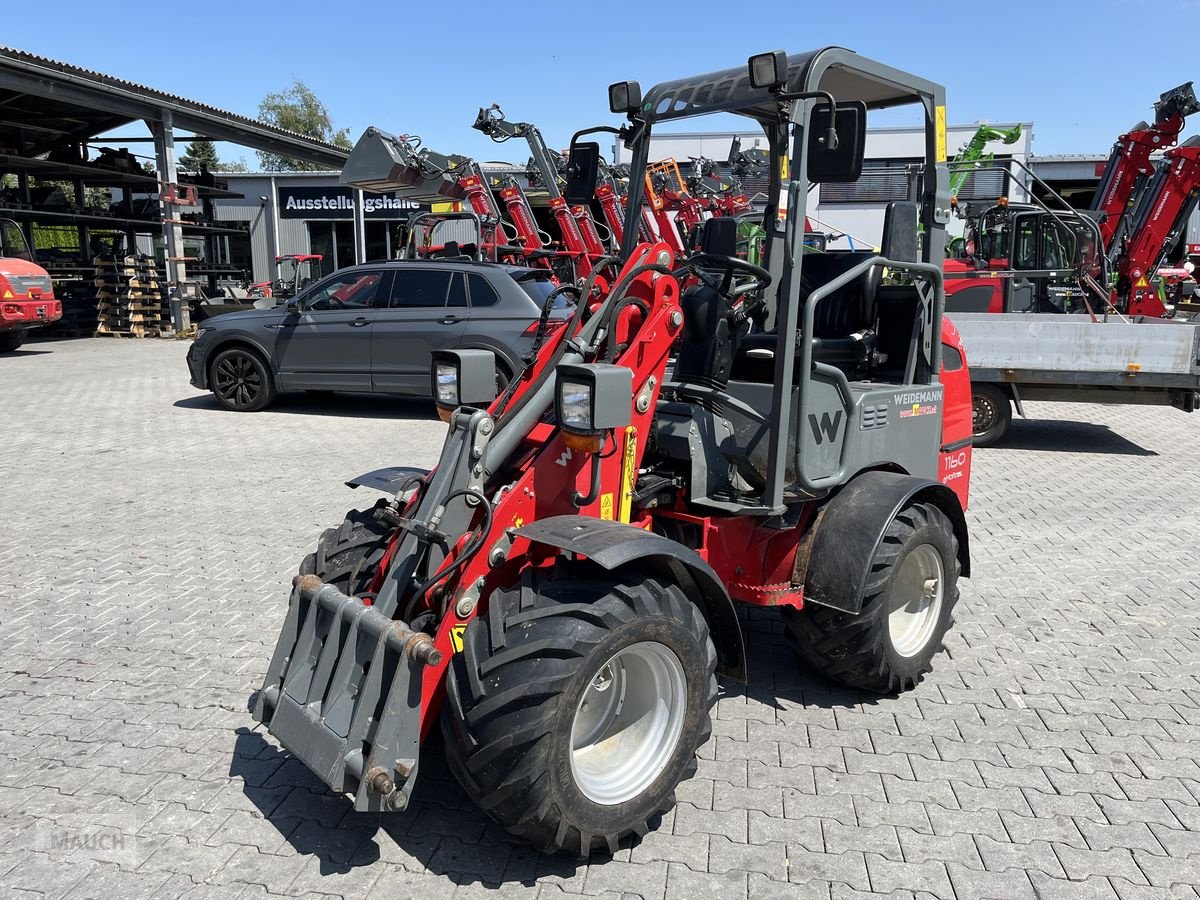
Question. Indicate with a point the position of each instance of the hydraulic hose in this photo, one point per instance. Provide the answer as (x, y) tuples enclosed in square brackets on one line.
[(515, 423), (548, 371), (463, 558)]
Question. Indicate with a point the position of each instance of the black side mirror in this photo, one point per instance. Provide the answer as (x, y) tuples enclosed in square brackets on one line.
[(583, 170), (837, 142)]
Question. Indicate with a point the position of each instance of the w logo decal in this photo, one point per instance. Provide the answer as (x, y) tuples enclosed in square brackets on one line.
[(827, 428)]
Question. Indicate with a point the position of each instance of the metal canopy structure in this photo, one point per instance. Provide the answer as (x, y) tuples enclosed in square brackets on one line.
[(44, 102), (47, 105)]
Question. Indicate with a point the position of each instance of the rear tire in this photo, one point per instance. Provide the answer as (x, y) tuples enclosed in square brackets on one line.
[(991, 413), (348, 556), (890, 644), (532, 731), (241, 381), (11, 340)]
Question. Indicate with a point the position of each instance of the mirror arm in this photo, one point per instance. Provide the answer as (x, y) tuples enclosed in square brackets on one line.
[(831, 138)]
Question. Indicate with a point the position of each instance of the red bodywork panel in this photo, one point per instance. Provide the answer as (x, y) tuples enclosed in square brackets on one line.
[(25, 307)]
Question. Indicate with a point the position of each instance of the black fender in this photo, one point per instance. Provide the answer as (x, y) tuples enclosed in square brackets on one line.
[(852, 524), (615, 545), (390, 480)]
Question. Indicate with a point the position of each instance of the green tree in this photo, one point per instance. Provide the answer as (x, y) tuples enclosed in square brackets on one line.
[(200, 152), (298, 109), (203, 152)]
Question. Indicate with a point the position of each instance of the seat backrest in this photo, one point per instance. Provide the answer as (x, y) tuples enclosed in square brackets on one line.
[(718, 236), (900, 221), (853, 307)]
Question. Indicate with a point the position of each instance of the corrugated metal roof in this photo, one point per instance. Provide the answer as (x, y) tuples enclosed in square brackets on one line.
[(57, 69)]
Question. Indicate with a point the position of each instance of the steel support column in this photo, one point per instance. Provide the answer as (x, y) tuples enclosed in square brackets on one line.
[(166, 165), (360, 228)]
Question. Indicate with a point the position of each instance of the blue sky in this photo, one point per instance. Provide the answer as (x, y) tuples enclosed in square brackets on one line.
[(1081, 71)]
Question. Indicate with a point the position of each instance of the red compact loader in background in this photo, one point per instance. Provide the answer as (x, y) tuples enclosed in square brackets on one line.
[(558, 594), (26, 292)]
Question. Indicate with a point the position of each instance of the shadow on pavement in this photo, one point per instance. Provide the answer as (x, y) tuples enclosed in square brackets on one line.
[(442, 832), (24, 351), (356, 406), (1068, 437)]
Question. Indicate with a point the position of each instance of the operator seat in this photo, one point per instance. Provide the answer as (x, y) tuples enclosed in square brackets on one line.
[(709, 341), (843, 325)]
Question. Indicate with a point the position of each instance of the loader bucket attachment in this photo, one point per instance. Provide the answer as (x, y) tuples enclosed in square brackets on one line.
[(343, 694), (384, 162)]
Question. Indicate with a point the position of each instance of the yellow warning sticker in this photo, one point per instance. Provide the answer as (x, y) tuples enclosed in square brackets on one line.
[(783, 168), (940, 127), (1142, 282), (456, 637), (606, 506)]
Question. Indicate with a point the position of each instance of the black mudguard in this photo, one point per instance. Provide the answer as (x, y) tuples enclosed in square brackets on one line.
[(390, 480), (853, 523), (614, 545)]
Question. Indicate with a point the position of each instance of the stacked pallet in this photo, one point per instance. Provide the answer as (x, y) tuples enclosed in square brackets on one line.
[(79, 317), (130, 301)]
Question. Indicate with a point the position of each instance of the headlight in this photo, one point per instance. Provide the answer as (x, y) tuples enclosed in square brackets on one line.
[(575, 405), (462, 378), (201, 331), (593, 398), (447, 384)]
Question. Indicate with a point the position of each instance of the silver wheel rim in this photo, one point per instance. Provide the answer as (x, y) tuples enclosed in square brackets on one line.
[(628, 722), (917, 595)]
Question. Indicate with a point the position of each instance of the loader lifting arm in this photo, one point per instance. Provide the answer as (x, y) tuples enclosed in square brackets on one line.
[(1156, 225), (966, 160), (580, 238), (1129, 167)]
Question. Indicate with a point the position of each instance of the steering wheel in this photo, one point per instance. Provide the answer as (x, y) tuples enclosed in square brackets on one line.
[(729, 265)]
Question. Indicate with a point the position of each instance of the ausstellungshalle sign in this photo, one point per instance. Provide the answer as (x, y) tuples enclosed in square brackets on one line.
[(335, 202)]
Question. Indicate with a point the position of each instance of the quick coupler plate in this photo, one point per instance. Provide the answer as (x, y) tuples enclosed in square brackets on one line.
[(343, 694)]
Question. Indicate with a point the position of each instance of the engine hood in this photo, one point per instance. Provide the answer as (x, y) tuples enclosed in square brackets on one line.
[(22, 268)]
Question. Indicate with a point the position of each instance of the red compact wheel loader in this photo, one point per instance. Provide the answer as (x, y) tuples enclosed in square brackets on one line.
[(559, 594), (26, 292)]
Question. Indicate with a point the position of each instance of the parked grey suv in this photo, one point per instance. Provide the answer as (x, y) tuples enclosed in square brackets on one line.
[(371, 328)]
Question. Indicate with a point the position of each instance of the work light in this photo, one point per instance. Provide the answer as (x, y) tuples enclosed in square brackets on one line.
[(624, 97), (462, 378), (592, 399), (768, 70)]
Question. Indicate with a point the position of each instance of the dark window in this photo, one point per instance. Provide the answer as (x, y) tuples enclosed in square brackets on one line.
[(458, 291), (354, 290), (419, 288), (482, 293), (539, 288), (952, 360), (1025, 248)]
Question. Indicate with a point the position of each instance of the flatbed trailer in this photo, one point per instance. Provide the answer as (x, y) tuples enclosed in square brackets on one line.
[(1015, 357)]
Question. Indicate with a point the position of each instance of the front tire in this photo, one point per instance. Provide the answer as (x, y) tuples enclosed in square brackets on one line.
[(577, 706), (908, 605), (991, 414), (11, 340), (348, 556), (241, 381)]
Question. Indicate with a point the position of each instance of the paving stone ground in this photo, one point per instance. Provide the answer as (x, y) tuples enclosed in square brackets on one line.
[(147, 538)]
